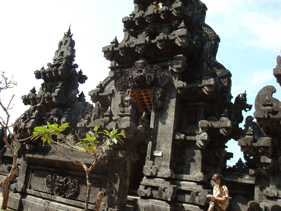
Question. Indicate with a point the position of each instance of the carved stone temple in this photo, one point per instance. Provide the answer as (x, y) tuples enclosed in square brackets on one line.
[(171, 98)]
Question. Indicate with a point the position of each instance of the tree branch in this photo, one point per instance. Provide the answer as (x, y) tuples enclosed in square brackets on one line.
[(68, 158), (8, 107)]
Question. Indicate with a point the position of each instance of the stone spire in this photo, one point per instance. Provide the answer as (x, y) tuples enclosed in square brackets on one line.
[(61, 80), (65, 48), (59, 90)]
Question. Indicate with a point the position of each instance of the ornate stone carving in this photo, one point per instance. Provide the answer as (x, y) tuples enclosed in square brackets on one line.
[(182, 36), (143, 76), (150, 169), (260, 142), (144, 191), (61, 186), (277, 70), (178, 64), (56, 100), (240, 104), (165, 190)]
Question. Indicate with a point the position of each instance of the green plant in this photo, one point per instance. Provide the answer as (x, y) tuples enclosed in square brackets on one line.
[(89, 145)]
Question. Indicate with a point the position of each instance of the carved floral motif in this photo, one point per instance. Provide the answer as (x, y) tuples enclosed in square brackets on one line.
[(61, 186)]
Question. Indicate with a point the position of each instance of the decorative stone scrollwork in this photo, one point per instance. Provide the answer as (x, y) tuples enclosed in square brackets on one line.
[(144, 191), (167, 193), (240, 104), (178, 64), (144, 76), (61, 186), (182, 36)]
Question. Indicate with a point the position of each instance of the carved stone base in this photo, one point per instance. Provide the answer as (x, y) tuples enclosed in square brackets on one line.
[(31, 203), (157, 205)]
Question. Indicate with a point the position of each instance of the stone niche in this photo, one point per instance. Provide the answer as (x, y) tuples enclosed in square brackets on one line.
[(171, 98)]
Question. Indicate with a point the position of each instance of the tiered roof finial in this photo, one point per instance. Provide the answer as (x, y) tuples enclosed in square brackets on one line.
[(68, 33)]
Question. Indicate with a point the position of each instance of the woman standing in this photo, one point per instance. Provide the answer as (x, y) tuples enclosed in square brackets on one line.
[(219, 199)]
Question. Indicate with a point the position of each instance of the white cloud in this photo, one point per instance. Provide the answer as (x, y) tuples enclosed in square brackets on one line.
[(261, 77), (245, 22), (253, 82)]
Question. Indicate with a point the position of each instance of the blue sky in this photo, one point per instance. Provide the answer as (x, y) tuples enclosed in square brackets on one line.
[(250, 33)]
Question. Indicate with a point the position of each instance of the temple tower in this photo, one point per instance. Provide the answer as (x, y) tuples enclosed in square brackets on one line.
[(167, 62), (166, 93)]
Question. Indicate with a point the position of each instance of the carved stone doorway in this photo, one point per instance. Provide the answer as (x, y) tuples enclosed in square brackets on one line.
[(143, 98), (137, 170)]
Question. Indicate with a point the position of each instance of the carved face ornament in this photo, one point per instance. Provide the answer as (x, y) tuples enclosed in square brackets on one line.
[(143, 76)]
